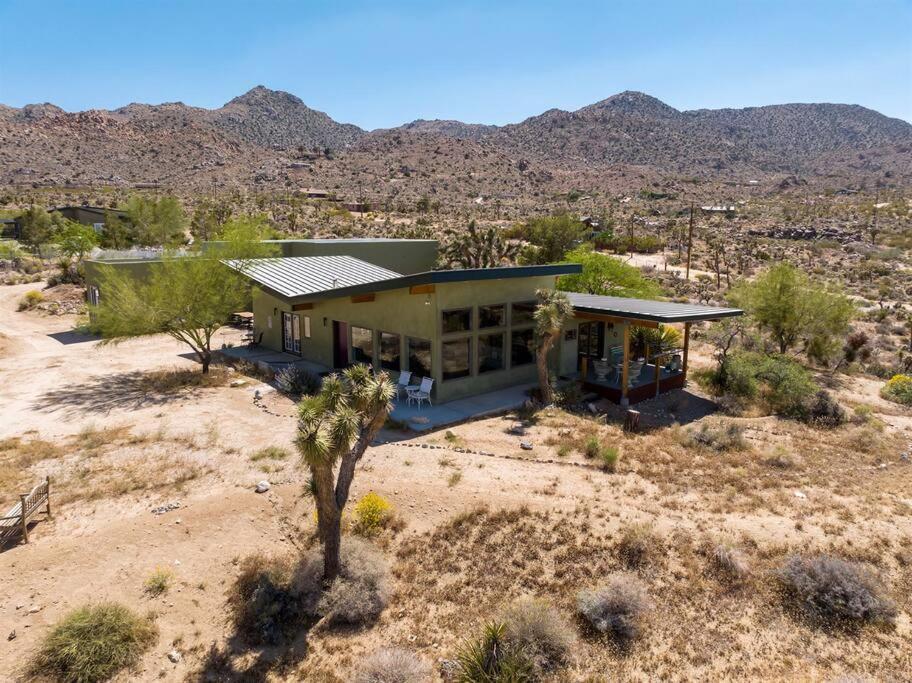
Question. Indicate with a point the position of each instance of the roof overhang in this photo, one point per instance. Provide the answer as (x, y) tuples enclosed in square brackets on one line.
[(647, 310)]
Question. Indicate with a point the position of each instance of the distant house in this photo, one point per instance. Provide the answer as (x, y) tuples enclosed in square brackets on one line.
[(88, 215), (10, 228), (311, 193), (726, 209)]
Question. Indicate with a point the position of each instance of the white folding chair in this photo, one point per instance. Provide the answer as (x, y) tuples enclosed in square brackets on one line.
[(403, 382), (421, 393)]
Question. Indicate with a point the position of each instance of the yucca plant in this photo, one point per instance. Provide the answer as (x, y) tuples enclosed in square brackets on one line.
[(490, 659), (553, 310), (335, 426)]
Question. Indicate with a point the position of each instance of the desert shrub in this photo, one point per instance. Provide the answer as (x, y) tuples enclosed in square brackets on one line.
[(297, 381), (265, 606), (489, 658), (729, 562), (824, 411), (539, 631), (898, 389), (638, 545), (93, 643), (362, 590), (159, 581), (393, 665), (720, 438), (592, 447), (569, 395), (783, 385), (270, 453), (372, 513), (617, 609), (832, 591), (608, 457), (31, 299)]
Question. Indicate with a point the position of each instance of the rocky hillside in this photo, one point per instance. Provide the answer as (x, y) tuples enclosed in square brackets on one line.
[(271, 140)]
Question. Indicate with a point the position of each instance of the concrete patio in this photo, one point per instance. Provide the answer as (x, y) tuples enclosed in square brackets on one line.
[(436, 416), (274, 360)]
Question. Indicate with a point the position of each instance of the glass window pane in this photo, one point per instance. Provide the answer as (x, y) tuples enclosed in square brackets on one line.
[(362, 345), (522, 348), (456, 358), (419, 357), (491, 316), (307, 327), (457, 321), (490, 352), (389, 351), (522, 313)]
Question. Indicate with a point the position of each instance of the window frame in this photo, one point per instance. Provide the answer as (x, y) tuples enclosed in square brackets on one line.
[(379, 337), (513, 333), (530, 321), (467, 338), (351, 338), (408, 355), (470, 310), (503, 322), (503, 363)]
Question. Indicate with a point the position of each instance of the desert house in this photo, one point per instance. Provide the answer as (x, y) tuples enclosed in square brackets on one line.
[(326, 304), (89, 215)]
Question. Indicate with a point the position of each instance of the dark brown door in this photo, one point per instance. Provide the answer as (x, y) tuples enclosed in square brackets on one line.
[(590, 341), (340, 344)]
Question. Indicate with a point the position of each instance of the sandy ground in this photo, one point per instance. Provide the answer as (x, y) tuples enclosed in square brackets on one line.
[(55, 386)]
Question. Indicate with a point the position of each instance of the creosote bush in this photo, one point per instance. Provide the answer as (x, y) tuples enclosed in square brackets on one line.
[(898, 389), (539, 631), (93, 643), (490, 658), (31, 299), (372, 513), (297, 381), (720, 438), (834, 592), (638, 545), (616, 609), (824, 410), (393, 665)]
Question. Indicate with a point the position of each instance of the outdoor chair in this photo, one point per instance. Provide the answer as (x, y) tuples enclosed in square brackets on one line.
[(254, 343), (403, 382), (420, 393)]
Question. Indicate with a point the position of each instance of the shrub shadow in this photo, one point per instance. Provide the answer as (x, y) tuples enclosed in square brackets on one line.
[(239, 662)]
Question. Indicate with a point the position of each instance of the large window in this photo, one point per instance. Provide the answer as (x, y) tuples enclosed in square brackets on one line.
[(522, 347), (419, 357), (457, 358), (390, 351), (457, 321), (490, 352), (362, 345), (523, 313), (492, 316)]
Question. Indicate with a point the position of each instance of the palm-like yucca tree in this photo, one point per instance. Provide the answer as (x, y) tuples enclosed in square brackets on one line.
[(478, 248), (335, 427), (550, 315), (659, 339)]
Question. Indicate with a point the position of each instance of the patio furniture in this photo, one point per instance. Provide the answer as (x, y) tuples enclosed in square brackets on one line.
[(403, 382), (15, 521), (420, 393), (602, 367), (634, 370), (254, 343)]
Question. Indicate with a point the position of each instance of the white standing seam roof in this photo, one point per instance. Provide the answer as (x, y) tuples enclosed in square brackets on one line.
[(646, 309), (302, 275)]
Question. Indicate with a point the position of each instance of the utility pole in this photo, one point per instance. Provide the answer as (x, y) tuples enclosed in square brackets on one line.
[(690, 239), (874, 218)]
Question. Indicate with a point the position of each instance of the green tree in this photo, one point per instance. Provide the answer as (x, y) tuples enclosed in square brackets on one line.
[(793, 309), (209, 217), (474, 248), (606, 275), (157, 222), (76, 240), (551, 238), (552, 311), (37, 226), (336, 426), (117, 233), (186, 297)]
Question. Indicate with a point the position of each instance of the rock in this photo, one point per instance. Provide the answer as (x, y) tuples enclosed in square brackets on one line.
[(11, 636), (516, 429), (238, 382), (34, 609), (800, 494), (174, 656), (263, 486), (526, 445)]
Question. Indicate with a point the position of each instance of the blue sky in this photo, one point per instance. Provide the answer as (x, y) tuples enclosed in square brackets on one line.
[(382, 64)]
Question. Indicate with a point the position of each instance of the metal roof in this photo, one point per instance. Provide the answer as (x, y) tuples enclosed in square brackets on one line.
[(645, 309), (297, 276), (361, 277)]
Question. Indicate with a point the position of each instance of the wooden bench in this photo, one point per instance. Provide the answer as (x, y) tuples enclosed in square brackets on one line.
[(16, 520)]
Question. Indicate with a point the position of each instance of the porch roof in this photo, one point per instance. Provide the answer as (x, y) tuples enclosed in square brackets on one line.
[(645, 309)]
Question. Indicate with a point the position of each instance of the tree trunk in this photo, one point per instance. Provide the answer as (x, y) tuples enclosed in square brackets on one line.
[(332, 545), (206, 359), (544, 382)]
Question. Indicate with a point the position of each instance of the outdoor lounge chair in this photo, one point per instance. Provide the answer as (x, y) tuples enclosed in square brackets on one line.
[(403, 382), (255, 342), (420, 393)]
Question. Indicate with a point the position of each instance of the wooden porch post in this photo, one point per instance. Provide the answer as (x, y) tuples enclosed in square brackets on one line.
[(658, 374), (47, 481), (625, 366), (686, 347), (23, 499)]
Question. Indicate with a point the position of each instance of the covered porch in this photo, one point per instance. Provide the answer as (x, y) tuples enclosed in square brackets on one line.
[(626, 350)]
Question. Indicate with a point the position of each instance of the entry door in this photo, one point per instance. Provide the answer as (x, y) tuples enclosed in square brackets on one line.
[(291, 332), (340, 344), (590, 342)]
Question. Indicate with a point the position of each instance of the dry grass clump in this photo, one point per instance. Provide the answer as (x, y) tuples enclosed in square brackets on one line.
[(362, 590), (179, 379), (719, 438), (393, 665), (834, 592), (618, 608), (159, 582), (639, 545), (93, 643), (538, 630), (729, 562), (270, 453)]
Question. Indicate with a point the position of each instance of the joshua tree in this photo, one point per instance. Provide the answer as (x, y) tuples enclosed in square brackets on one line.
[(552, 311), (336, 426), (476, 248)]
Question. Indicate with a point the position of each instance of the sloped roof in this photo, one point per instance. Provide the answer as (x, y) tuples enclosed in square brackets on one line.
[(645, 309), (304, 275)]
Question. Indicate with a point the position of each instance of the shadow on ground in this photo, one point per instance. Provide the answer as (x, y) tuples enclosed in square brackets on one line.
[(238, 662), (73, 337), (101, 394), (678, 407)]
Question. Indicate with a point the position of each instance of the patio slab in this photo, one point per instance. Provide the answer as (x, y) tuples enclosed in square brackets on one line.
[(460, 410), (275, 360)]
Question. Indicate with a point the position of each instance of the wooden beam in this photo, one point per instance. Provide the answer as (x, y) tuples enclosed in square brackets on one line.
[(615, 320), (421, 289), (363, 298), (686, 348), (625, 367), (658, 371), (302, 307)]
